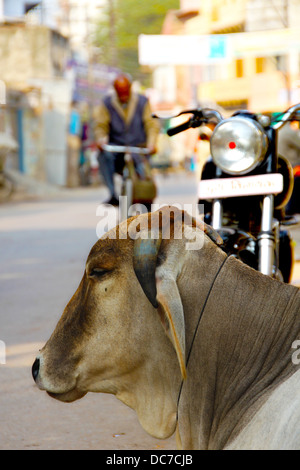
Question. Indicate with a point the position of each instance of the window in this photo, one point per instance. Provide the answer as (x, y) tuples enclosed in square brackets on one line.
[(239, 67), (259, 64), (215, 13)]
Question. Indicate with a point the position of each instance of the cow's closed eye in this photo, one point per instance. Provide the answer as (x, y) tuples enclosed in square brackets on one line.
[(98, 273)]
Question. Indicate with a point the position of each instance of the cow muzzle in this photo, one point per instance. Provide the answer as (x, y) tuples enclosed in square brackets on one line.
[(66, 393)]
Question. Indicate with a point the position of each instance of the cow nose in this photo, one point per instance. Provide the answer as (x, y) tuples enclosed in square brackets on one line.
[(35, 369)]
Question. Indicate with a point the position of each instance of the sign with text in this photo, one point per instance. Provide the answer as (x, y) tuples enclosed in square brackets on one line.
[(172, 49), (185, 50), (242, 186)]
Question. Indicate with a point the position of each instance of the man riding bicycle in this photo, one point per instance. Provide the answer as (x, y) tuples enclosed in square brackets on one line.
[(123, 118)]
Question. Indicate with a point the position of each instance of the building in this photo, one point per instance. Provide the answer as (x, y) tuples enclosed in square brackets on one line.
[(263, 72), (77, 20), (37, 94), (13, 9), (47, 62), (233, 53), (38, 11)]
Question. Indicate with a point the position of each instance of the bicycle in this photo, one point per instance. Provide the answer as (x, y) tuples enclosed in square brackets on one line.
[(136, 189)]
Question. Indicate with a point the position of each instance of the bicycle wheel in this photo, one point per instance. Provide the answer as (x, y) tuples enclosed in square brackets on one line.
[(6, 187)]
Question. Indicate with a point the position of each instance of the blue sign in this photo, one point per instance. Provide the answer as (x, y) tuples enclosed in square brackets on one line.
[(218, 47)]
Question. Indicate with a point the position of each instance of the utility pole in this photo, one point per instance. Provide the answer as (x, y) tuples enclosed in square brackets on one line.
[(289, 56), (91, 78), (42, 12), (112, 33), (286, 70)]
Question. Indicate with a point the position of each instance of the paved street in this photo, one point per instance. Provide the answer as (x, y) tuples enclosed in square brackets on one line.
[(44, 245)]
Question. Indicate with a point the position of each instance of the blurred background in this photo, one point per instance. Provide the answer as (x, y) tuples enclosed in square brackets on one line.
[(57, 60), (59, 57)]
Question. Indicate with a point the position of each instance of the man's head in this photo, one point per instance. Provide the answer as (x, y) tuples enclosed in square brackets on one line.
[(122, 85)]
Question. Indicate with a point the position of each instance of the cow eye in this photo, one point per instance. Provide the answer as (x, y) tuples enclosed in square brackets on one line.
[(98, 273)]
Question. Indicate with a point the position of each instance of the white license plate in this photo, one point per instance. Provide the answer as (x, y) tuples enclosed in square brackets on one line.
[(241, 186)]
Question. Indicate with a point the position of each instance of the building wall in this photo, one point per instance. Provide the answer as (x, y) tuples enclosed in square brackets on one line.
[(24, 53), (259, 15), (77, 19), (217, 16), (14, 8), (256, 76), (189, 4), (32, 65)]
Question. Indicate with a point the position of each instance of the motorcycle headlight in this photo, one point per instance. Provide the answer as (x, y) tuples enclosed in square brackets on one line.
[(237, 145)]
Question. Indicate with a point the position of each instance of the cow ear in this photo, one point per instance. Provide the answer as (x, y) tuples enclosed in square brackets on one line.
[(162, 292), (169, 301), (145, 254)]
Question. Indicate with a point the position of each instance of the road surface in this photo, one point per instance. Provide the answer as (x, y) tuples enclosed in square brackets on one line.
[(43, 247)]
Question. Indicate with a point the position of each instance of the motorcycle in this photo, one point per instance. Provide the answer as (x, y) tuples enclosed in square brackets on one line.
[(245, 186)]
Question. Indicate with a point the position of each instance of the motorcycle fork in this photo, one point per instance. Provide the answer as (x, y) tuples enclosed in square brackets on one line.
[(266, 238), (217, 214), (217, 208)]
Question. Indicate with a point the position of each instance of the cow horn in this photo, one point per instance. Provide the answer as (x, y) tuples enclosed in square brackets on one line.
[(144, 264)]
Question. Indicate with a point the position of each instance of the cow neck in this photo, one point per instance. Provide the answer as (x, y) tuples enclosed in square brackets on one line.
[(198, 324), (243, 349)]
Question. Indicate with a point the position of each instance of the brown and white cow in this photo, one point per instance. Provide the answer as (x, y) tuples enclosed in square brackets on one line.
[(188, 338)]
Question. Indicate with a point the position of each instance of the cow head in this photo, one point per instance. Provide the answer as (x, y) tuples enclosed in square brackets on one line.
[(112, 335)]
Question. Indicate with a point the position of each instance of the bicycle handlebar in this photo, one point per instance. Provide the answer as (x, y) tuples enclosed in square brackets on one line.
[(125, 149)]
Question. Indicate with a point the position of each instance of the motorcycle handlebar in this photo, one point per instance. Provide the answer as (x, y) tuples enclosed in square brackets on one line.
[(200, 116), (287, 116), (182, 127)]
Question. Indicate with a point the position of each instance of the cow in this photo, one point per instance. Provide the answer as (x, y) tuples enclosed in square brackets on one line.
[(193, 340)]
